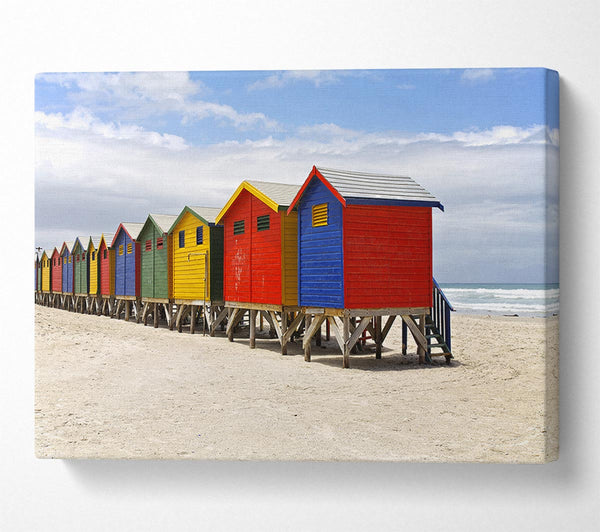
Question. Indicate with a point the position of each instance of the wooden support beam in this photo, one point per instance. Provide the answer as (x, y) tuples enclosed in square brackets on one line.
[(236, 317), (306, 341), (261, 323), (358, 331), (284, 327), (252, 329), (311, 327), (416, 331), (193, 309), (145, 313), (327, 331), (337, 334), (216, 322), (181, 313), (377, 336), (155, 314), (387, 327), (345, 338), (127, 310), (292, 327), (275, 324)]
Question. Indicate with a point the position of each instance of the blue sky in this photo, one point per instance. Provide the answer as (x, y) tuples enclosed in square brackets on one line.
[(111, 147)]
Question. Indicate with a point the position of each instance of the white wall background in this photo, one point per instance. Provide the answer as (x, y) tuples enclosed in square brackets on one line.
[(148, 35)]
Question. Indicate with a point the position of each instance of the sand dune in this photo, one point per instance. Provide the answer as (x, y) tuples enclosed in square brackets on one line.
[(115, 389)]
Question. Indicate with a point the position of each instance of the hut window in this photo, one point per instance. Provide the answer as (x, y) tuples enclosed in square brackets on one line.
[(65, 260), (93, 255), (182, 239), (70, 257), (199, 235), (319, 215), (83, 256), (239, 227), (104, 253), (77, 257), (121, 249), (148, 245), (263, 223), (129, 247), (159, 243)]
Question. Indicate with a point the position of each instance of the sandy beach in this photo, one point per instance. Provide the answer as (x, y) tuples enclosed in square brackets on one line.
[(113, 389)]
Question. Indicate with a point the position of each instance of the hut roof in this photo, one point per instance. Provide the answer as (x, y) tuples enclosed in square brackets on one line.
[(131, 228), (275, 195), (68, 245), (206, 214), (370, 188), (83, 242), (95, 241), (163, 221)]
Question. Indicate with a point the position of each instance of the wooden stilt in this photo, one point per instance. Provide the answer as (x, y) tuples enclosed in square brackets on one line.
[(318, 336), (261, 323), (283, 330), (252, 329), (193, 309), (156, 309), (145, 313), (404, 337), (420, 348), (378, 340), (127, 310), (346, 336), (327, 331), (307, 320)]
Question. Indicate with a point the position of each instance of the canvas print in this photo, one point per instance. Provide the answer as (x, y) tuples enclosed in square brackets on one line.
[(297, 265)]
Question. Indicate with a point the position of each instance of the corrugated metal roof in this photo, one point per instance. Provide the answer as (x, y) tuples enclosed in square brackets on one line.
[(280, 193), (375, 186), (208, 213), (83, 240), (164, 221), (96, 241), (133, 229)]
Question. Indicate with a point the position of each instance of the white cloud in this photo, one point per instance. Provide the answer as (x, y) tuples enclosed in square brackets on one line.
[(316, 77), (84, 122), (141, 94), (491, 182), (406, 86), (478, 74)]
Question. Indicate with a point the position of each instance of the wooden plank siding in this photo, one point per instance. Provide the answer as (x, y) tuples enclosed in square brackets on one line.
[(80, 269), (45, 260), (190, 273), (93, 267), (126, 264), (289, 257), (56, 265), (106, 268), (67, 271), (260, 265), (237, 254), (320, 252), (154, 262), (387, 256)]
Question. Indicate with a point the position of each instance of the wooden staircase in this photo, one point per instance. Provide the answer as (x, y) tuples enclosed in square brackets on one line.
[(435, 333)]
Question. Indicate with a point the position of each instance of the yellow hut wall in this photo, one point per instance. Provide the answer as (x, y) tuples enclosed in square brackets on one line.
[(289, 258), (189, 275), (93, 259), (45, 273)]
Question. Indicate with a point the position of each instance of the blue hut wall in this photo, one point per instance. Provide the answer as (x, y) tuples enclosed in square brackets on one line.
[(67, 272), (124, 266), (320, 250)]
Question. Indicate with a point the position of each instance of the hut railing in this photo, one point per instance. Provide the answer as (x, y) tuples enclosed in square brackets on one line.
[(440, 313)]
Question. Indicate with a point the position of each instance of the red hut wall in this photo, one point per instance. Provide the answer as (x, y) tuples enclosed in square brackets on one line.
[(105, 277), (387, 256), (56, 264), (252, 261)]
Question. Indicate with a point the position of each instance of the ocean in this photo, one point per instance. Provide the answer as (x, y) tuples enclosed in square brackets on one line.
[(503, 299)]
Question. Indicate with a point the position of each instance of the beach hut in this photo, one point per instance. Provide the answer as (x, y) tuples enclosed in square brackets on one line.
[(56, 265), (68, 301), (46, 276), (196, 250), (94, 273), (364, 250), (80, 273), (127, 268), (156, 266), (260, 255), (106, 273)]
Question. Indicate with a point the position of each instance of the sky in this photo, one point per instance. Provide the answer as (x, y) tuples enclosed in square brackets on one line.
[(112, 147)]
